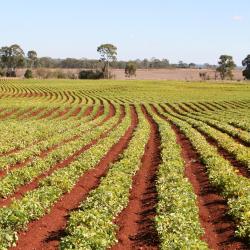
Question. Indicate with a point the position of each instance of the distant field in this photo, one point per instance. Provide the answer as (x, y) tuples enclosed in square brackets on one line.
[(158, 74), (124, 164)]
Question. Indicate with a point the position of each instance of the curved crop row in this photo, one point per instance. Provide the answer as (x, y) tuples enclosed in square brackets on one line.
[(92, 227), (18, 177), (177, 219), (240, 152), (38, 202), (223, 176)]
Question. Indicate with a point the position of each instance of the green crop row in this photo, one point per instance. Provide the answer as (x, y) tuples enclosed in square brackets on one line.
[(240, 152), (21, 176), (52, 140), (92, 226), (222, 175), (177, 219), (38, 202), (222, 126)]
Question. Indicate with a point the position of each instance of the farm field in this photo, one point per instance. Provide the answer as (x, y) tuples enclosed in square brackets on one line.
[(124, 165)]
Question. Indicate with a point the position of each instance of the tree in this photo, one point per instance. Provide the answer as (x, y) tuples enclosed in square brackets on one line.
[(130, 69), (11, 58), (32, 58), (246, 64), (192, 65), (28, 74), (108, 53), (226, 65)]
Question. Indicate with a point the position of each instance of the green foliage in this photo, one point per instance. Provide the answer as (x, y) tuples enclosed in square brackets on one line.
[(92, 227), (12, 57), (226, 65), (2, 72), (177, 219), (28, 74), (246, 71), (108, 52), (32, 58), (130, 69), (90, 74), (11, 73)]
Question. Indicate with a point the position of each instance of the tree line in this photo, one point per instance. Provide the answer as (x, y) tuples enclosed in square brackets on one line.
[(13, 57)]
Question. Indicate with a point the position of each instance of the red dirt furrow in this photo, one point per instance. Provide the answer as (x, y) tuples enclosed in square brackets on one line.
[(76, 112), (237, 139), (242, 170), (49, 113), (47, 151), (219, 227), (7, 114), (34, 184), (87, 112), (62, 113), (136, 224), (18, 116), (32, 114), (99, 112), (47, 231)]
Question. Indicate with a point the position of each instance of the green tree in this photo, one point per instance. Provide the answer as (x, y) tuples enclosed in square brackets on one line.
[(130, 69), (28, 74), (226, 66), (11, 58), (108, 53), (246, 64), (32, 58)]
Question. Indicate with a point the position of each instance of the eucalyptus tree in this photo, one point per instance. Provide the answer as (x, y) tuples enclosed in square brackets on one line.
[(108, 53)]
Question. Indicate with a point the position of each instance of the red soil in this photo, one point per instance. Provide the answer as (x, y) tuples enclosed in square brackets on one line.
[(219, 227), (88, 111), (238, 165), (62, 113), (136, 225), (49, 113), (76, 112), (34, 184), (24, 113), (47, 151), (99, 112), (236, 138), (35, 113), (47, 231), (7, 114)]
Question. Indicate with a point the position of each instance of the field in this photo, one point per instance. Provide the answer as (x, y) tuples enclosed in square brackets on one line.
[(124, 165), (155, 74)]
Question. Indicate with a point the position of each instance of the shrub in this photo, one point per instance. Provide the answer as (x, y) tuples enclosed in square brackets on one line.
[(11, 73), (90, 74), (246, 73), (2, 72), (28, 74), (130, 69)]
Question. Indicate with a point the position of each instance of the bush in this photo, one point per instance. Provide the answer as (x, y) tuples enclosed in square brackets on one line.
[(90, 74), (2, 72), (246, 73), (11, 73), (28, 74), (130, 69)]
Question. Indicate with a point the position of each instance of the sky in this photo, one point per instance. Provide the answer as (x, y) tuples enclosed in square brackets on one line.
[(196, 31)]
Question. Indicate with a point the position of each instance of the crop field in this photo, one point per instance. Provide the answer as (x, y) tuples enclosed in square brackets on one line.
[(124, 165)]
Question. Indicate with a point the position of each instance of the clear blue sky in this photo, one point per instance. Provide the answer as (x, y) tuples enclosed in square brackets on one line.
[(189, 30)]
